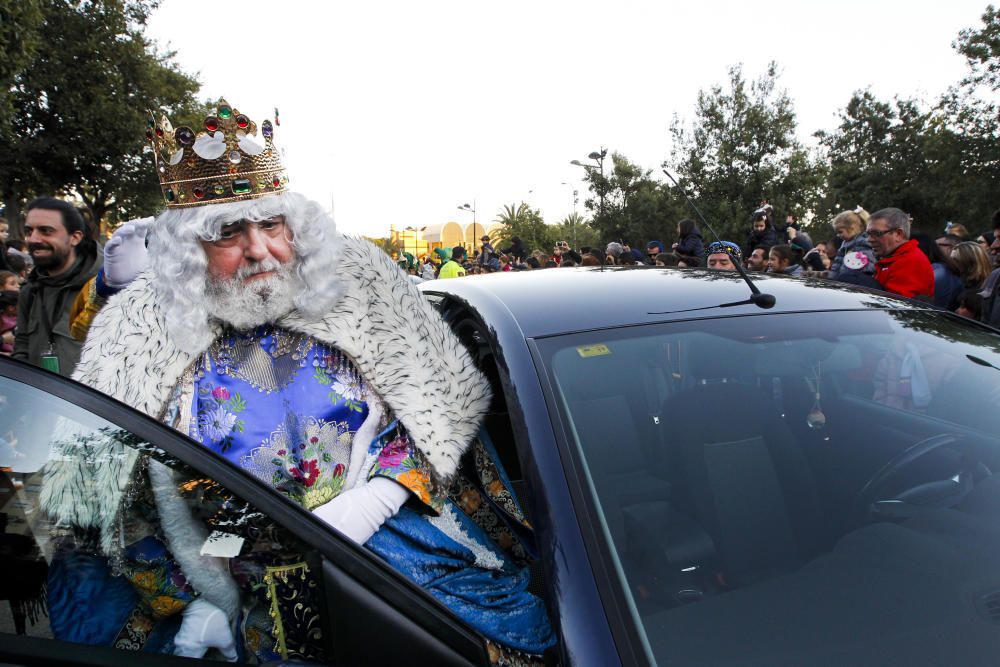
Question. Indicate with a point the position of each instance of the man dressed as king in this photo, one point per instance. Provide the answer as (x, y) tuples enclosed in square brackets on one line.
[(306, 358)]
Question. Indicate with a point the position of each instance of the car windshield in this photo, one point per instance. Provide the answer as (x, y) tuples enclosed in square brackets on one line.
[(794, 488)]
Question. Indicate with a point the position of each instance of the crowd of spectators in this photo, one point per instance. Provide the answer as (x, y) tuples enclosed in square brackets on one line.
[(957, 271), (15, 264)]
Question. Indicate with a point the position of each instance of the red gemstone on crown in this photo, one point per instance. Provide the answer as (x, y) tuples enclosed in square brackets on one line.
[(242, 121), (159, 131), (276, 182), (198, 193), (211, 123)]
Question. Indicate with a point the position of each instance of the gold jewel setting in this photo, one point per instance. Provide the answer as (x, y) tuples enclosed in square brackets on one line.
[(222, 162)]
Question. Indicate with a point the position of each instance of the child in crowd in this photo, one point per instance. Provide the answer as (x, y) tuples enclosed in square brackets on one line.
[(9, 282), (8, 320), (970, 304)]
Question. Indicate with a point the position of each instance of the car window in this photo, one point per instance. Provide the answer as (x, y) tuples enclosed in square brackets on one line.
[(65, 473), (765, 484)]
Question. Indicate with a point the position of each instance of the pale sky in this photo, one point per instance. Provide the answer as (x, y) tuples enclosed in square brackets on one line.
[(399, 112)]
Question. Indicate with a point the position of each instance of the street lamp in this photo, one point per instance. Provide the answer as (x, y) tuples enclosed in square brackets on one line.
[(416, 231), (576, 198), (466, 207), (598, 157)]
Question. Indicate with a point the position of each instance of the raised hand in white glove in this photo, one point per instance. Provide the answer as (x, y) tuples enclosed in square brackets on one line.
[(125, 254), (204, 626), (359, 512)]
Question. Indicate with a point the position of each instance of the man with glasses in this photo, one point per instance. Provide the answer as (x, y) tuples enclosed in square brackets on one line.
[(902, 268)]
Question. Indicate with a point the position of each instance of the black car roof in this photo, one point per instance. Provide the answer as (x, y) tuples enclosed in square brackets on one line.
[(554, 301)]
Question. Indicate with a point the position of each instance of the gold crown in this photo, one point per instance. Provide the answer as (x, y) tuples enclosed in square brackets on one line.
[(221, 164)]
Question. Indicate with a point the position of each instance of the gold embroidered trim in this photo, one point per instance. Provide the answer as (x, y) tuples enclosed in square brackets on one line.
[(271, 575)]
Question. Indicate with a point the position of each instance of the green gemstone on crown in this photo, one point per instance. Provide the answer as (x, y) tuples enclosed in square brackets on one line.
[(241, 186), (170, 194), (225, 112)]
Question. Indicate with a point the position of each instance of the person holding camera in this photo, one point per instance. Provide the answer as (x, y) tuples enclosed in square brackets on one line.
[(561, 251)]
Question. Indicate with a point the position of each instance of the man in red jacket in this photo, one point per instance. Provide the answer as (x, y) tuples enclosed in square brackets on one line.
[(902, 267)]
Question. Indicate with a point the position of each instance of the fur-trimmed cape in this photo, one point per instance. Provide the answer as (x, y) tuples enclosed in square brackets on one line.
[(405, 352)]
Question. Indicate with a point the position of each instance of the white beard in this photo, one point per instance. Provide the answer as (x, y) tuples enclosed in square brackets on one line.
[(245, 305)]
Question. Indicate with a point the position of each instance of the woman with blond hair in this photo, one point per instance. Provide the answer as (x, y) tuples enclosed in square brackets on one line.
[(855, 260), (973, 264)]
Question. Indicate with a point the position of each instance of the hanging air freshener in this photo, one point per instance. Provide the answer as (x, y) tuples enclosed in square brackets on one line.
[(816, 419)]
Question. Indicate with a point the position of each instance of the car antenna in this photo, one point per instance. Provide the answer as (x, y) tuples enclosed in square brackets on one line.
[(757, 298)]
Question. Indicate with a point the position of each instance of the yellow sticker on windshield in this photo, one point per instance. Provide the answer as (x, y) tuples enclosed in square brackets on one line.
[(593, 350)]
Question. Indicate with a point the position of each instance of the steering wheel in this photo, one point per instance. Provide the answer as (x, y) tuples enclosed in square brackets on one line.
[(869, 504)]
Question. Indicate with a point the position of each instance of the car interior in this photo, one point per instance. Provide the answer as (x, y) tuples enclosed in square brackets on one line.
[(761, 502), (56, 580)]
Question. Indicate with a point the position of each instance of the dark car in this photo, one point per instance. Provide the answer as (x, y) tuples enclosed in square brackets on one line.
[(710, 482), (716, 483)]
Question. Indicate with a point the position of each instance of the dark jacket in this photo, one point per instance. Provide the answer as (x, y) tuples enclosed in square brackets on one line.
[(991, 299), (768, 238), (516, 250), (691, 245), (56, 295), (948, 286)]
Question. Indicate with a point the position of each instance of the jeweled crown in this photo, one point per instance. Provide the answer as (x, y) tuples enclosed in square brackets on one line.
[(223, 163)]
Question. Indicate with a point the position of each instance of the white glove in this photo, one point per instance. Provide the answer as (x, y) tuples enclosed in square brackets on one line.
[(204, 626), (125, 254), (359, 512)]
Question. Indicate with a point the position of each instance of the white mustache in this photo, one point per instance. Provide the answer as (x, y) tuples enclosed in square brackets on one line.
[(245, 272)]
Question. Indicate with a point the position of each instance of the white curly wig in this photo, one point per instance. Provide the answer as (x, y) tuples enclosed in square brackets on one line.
[(180, 266)]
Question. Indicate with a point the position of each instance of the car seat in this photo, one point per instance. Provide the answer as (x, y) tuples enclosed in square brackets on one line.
[(737, 470)]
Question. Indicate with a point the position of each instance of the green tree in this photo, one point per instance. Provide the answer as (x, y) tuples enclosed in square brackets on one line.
[(636, 208), (75, 122), (20, 22), (981, 49), (875, 156), (740, 150), (525, 222), (936, 163), (576, 231)]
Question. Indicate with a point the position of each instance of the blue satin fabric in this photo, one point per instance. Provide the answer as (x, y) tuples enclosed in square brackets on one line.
[(296, 436), (87, 604), (456, 561)]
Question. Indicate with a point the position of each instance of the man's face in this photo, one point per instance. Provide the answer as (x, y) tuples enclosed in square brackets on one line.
[(52, 248), (245, 248), (995, 246), (721, 261), (882, 239), (757, 260)]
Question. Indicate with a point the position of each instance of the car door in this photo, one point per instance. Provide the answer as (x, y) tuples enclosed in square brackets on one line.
[(337, 603)]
